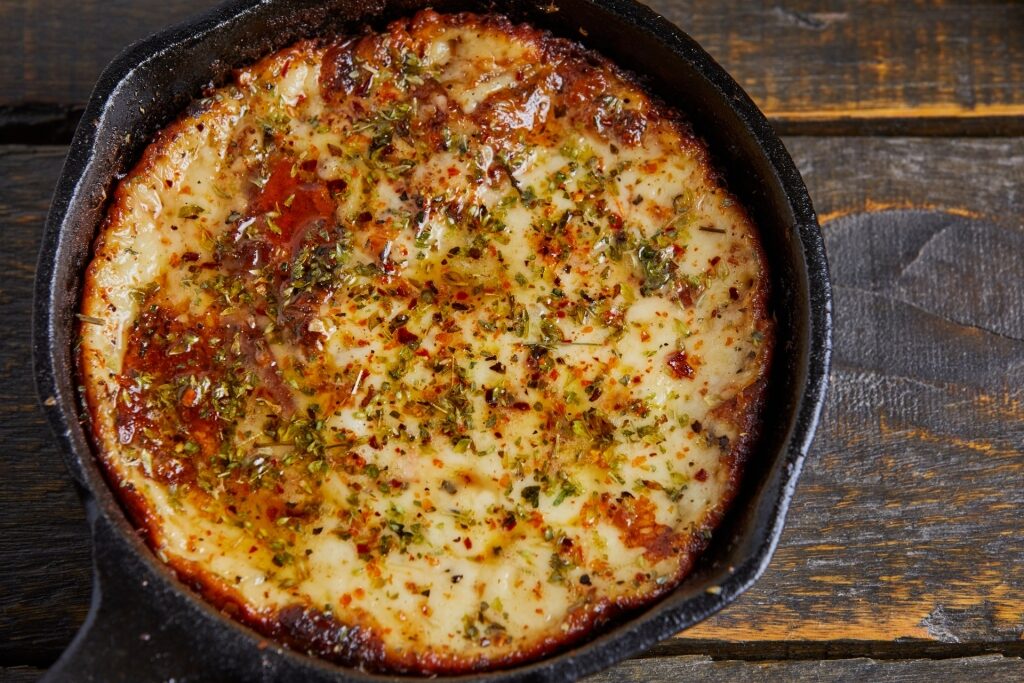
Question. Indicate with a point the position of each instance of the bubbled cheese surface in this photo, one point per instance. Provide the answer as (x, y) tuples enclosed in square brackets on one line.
[(428, 349)]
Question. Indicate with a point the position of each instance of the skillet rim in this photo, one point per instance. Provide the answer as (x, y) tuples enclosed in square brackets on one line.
[(58, 278)]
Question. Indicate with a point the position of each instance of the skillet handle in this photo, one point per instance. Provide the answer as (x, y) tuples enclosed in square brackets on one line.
[(130, 633)]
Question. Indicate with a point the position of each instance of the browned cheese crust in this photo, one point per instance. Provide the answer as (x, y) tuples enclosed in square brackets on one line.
[(427, 350)]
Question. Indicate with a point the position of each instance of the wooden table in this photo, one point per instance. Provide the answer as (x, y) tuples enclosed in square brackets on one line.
[(903, 558)]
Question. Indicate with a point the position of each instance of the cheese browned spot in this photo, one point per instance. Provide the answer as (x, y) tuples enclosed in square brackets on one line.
[(426, 350)]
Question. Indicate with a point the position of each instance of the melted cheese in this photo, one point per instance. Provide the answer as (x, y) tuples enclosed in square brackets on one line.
[(445, 335)]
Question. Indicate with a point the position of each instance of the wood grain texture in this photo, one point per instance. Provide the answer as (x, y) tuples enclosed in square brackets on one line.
[(823, 66), (992, 669), (20, 674), (907, 521), (64, 44), (855, 61), (971, 178), (44, 551), (905, 533)]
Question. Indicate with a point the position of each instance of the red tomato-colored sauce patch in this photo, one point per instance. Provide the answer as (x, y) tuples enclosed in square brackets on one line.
[(292, 200), (167, 388)]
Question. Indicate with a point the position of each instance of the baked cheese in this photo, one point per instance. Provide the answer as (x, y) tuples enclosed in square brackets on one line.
[(428, 349)]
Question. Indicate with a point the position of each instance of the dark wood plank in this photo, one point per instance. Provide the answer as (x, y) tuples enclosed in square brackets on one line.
[(20, 674), (906, 524), (816, 66), (993, 669), (44, 551), (839, 66), (64, 44), (904, 536), (970, 178)]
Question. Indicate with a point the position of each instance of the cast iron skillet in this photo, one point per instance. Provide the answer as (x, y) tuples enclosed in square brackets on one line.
[(144, 625)]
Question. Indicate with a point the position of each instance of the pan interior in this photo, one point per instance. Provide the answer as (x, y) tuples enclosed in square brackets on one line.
[(152, 82)]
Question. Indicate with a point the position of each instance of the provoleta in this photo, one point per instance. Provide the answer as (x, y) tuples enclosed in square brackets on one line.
[(426, 350)]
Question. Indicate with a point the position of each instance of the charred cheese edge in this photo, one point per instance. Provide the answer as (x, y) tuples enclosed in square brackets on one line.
[(426, 350)]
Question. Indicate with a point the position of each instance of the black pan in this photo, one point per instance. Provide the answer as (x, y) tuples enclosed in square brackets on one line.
[(144, 625)]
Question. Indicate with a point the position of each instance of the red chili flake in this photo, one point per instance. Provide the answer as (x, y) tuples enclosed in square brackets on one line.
[(701, 475), (190, 257), (337, 185), (468, 543), (733, 294), (509, 522), (308, 165), (679, 365), (715, 260), (364, 217), (521, 405), (615, 221), (404, 336)]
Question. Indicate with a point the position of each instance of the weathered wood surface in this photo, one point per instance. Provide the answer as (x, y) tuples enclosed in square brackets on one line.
[(907, 521), (695, 669), (905, 535), (44, 558), (924, 66), (20, 674), (812, 65)]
